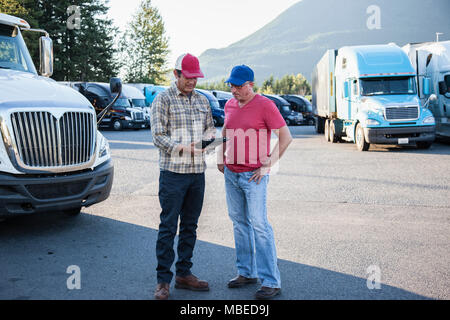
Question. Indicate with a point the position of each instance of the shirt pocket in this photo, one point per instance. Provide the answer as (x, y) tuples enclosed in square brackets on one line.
[(201, 115), (177, 116)]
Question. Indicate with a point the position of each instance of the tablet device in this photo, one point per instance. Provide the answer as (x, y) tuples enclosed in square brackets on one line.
[(210, 143)]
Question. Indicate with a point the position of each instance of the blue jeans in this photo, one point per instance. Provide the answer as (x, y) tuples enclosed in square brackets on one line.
[(181, 199), (256, 255)]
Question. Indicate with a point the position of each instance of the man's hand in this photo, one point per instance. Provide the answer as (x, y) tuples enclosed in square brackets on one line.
[(190, 149), (259, 173), (221, 167)]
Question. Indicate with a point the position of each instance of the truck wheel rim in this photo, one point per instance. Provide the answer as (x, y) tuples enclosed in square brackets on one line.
[(359, 137), (116, 125)]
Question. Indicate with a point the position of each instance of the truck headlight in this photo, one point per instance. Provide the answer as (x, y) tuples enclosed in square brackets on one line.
[(429, 120), (104, 147), (372, 122)]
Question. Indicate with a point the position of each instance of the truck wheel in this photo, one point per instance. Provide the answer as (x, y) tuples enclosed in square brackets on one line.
[(319, 124), (360, 141), (326, 130), (117, 125), (423, 144), (73, 211), (332, 132)]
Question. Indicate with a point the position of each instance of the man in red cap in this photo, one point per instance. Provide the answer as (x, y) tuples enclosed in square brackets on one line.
[(180, 117)]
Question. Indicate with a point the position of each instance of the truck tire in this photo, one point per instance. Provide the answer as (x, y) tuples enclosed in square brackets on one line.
[(117, 125), (326, 130), (332, 132), (360, 140), (319, 124)]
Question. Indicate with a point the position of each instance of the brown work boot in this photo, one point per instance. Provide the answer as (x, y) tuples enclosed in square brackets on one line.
[(191, 282), (162, 291), (267, 293), (240, 281)]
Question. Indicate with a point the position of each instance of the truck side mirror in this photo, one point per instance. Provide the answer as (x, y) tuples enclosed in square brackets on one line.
[(115, 85), (442, 87), (426, 84), (346, 89), (46, 56)]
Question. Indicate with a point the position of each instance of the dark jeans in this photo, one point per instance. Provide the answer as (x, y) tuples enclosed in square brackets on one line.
[(180, 195)]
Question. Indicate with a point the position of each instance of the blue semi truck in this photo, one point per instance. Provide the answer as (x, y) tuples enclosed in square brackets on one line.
[(368, 95)]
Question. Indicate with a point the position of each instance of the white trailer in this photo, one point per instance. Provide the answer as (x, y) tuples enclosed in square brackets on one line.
[(431, 61)]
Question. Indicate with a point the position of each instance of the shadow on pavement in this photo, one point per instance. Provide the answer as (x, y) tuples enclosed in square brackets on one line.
[(117, 261)]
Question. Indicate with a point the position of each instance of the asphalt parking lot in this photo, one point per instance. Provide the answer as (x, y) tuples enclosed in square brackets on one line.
[(348, 225)]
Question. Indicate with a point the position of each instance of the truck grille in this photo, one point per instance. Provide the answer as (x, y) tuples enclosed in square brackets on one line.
[(44, 141), (402, 113), (137, 116)]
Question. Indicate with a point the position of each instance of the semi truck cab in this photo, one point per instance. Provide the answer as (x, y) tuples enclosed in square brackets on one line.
[(52, 157), (376, 101)]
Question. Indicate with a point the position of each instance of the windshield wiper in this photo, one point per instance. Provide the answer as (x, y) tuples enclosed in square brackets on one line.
[(4, 67)]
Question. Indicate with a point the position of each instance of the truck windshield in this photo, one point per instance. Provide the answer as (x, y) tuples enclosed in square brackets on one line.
[(214, 104), (122, 103), (286, 109), (447, 82), (138, 103), (13, 51), (390, 85)]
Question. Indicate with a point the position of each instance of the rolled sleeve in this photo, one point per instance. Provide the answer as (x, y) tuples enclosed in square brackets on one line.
[(159, 124)]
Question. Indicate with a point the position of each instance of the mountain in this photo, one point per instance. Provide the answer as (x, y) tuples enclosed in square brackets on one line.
[(296, 40)]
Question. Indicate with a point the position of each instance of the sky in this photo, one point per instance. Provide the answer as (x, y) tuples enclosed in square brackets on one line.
[(197, 25)]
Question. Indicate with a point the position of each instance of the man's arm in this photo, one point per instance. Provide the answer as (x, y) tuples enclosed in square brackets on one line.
[(284, 139), (159, 123), (221, 152)]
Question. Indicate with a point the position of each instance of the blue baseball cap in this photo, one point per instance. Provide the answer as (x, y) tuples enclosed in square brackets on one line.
[(241, 74)]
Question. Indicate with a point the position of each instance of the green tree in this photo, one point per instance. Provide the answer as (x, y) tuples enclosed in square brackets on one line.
[(82, 52), (145, 47), (12, 7), (288, 84), (219, 85)]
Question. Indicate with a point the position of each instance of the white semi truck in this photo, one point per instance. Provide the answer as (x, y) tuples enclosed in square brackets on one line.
[(52, 157), (431, 61), (368, 95)]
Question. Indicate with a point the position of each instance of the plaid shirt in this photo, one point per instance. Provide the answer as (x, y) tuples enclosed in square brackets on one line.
[(175, 120)]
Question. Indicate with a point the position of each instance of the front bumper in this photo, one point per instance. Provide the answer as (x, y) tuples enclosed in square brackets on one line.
[(133, 124), (392, 135), (38, 193)]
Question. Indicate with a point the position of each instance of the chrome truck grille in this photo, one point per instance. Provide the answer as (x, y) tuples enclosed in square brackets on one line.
[(137, 116), (42, 141), (402, 113)]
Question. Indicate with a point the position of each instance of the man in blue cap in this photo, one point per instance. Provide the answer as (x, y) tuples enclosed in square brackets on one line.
[(250, 120)]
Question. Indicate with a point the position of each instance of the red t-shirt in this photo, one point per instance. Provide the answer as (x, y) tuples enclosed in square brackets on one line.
[(248, 132)]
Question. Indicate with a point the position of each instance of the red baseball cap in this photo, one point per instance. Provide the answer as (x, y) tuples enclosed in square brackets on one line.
[(189, 66)]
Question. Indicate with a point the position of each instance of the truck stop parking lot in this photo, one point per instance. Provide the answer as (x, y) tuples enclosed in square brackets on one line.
[(347, 224)]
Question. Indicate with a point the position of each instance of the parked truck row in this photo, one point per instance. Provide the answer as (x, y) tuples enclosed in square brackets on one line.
[(53, 156)]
